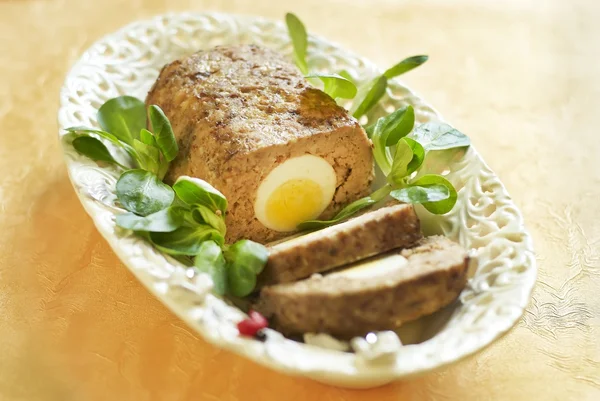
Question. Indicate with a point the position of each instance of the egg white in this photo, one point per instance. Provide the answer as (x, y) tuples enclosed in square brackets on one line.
[(378, 266), (309, 167)]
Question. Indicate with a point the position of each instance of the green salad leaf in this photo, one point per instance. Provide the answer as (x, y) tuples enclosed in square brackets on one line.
[(195, 191), (336, 86), (162, 169), (78, 132), (346, 212), (371, 97), (439, 136), (421, 194), (81, 131), (418, 155), (404, 66), (241, 281), (143, 193), (299, 38), (210, 259), (386, 132), (94, 149), (147, 138), (164, 221), (124, 117), (185, 240), (409, 157), (245, 260), (345, 74), (395, 125), (402, 158), (437, 205), (252, 255), (379, 84), (381, 153), (205, 215), (123, 120), (148, 155), (163, 132)]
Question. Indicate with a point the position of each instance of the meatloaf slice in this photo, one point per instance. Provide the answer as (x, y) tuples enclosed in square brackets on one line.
[(369, 234), (240, 111), (408, 284)]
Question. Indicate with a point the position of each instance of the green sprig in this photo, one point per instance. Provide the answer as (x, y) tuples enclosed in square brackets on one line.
[(377, 87), (187, 220), (335, 85), (404, 184)]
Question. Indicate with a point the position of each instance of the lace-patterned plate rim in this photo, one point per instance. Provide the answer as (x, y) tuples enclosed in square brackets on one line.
[(485, 219)]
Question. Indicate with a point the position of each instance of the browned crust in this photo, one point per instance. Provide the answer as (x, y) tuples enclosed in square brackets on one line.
[(370, 234), (243, 97), (345, 307), (239, 111)]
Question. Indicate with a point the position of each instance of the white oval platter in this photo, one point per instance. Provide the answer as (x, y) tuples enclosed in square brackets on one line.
[(485, 220)]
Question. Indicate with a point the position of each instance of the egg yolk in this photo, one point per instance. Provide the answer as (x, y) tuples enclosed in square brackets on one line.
[(294, 202)]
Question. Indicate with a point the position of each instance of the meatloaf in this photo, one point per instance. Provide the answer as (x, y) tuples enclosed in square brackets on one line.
[(377, 231), (240, 111), (392, 289)]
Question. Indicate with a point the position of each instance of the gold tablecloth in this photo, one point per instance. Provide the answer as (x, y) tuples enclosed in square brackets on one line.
[(520, 77)]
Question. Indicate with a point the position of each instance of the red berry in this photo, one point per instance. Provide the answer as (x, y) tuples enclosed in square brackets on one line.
[(249, 327)]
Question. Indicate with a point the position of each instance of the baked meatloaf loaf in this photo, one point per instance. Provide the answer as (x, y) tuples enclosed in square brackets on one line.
[(372, 295), (280, 150), (371, 233)]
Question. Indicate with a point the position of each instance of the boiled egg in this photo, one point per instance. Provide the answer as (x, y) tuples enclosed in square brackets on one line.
[(377, 266), (297, 190)]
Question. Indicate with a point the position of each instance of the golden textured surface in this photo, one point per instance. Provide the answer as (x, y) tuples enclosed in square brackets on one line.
[(520, 77)]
